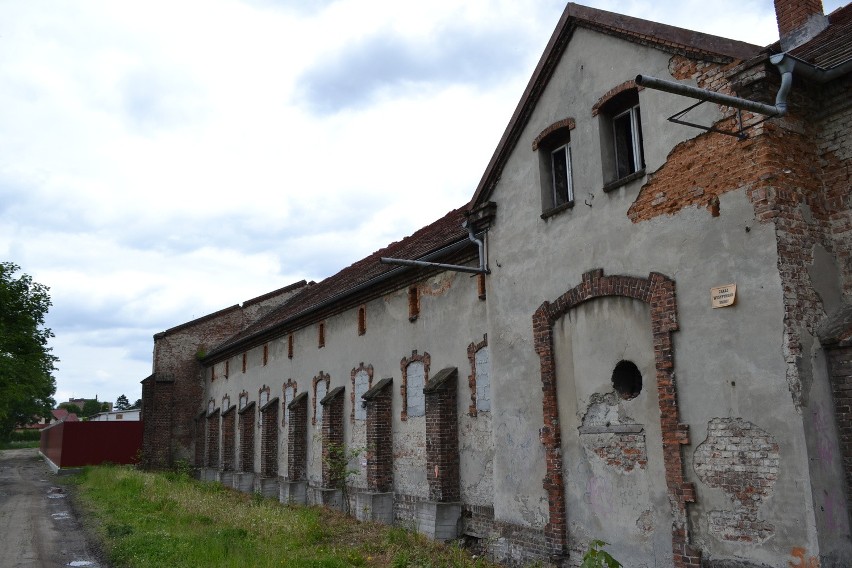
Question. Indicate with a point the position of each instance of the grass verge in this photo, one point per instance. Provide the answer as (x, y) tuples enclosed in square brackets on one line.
[(167, 519)]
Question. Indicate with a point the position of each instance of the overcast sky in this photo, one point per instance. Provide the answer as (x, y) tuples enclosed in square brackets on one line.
[(160, 160)]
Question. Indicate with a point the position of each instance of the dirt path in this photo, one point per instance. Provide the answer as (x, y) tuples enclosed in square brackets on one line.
[(37, 525)]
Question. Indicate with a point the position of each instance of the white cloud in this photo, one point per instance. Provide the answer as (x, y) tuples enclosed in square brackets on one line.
[(160, 160)]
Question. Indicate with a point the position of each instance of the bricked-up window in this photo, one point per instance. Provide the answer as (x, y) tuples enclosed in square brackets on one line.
[(416, 403), (413, 303), (227, 368), (265, 353), (627, 380), (483, 380), (321, 334), (321, 391), (289, 395), (621, 132), (362, 320), (244, 362), (290, 346), (362, 385)]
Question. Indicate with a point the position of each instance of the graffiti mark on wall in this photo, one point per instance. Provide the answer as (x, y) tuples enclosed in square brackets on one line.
[(801, 560)]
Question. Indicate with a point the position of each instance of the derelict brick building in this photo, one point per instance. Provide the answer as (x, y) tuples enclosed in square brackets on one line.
[(657, 352)]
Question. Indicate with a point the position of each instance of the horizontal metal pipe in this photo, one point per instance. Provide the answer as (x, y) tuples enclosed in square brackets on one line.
[(702, 94), (456, 267)]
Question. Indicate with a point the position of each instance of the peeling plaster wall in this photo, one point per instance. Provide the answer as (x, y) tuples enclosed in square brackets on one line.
[(729, 363), (451, 317), (619, 500)]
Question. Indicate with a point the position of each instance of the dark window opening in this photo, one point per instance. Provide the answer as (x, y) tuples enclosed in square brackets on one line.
[(621, 139), (627, 380), (560, 167), (290, 346), (413, 303), (321, 335), (362, 320)]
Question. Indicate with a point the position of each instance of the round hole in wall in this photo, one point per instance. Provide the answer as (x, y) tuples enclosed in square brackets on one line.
[(627, 380)]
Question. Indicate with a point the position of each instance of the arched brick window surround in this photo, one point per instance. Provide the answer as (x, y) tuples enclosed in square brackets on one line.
[(565, 123), (659, 292), (610, 94), (369, 370), (226, 402), (471, 379), (426, 359), (320, 377)]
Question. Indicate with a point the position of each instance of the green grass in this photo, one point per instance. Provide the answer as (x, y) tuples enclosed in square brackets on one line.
[(17, 444), (167, 519)]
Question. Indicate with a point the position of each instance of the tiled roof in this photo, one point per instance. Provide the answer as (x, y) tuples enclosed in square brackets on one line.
[(832, 46), (660, 35), (443, 232)]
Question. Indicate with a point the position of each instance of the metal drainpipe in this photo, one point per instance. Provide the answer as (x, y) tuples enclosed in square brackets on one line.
[(483, 264)]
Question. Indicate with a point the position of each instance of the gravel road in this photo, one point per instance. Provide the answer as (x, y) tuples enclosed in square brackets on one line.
[(37, 524)]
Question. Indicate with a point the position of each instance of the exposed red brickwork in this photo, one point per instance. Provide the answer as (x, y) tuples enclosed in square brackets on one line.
[(290, 346), (332, 434), (297, 438), (610, 94), (265, 354), (480, 286), (227, 368), (269, 439), (742, 460), (793, 14), (369, 370), (840, 372), (321, 334), (179, 377), (245, 361), (213, 439), (247, 437), (379, 401), (403, 387), (413, 303), (442, 437), (200, 439), (699, 170), (228, 437), (471, 379), (624, 452), (565, 123), (320, 377), (659, 292), (157, 416)]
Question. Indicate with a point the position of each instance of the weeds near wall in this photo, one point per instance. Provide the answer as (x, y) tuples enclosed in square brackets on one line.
[(597, 557), (339, 470)]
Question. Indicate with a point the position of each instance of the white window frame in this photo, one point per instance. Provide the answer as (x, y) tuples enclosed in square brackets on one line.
[(558, 200), (636, 159)]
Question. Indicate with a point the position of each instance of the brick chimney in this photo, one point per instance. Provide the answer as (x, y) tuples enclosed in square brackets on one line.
[(799, 21)]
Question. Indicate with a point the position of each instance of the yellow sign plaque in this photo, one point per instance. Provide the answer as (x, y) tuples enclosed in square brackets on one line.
[(723, 296)]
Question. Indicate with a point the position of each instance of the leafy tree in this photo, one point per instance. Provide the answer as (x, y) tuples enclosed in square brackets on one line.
[(91, 407), (137, 404), (27, 385), (121, 403), (70, 407)]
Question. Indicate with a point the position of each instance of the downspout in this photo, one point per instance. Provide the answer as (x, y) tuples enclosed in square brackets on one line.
[(483, 262)]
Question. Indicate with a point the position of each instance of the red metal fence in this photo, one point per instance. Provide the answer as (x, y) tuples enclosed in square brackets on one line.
[(75, 444)]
